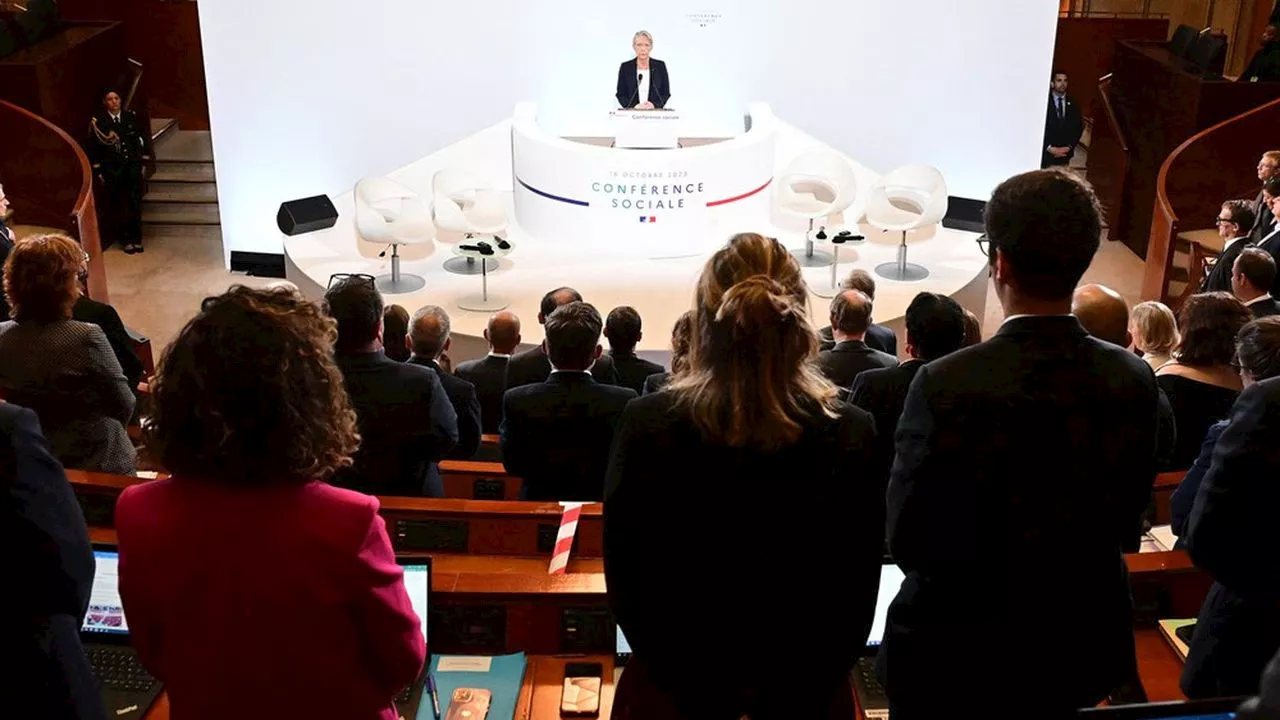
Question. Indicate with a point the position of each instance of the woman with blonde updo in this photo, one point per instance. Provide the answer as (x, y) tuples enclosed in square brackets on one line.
[(705, 467)]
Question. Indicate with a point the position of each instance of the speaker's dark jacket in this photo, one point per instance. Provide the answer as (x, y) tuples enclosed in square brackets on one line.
[(466, 405), (1062, 131), (629, 88), (533, 366), (489, 376)]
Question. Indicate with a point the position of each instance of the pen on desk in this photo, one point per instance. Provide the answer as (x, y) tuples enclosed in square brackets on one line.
[(435, 697)]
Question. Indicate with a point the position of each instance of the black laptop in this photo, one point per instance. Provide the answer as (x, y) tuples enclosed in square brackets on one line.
[(127, 689), (871, 695), (1218, 709), (417, 581)]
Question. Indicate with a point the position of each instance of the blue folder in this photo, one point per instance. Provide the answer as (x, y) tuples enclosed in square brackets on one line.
[(504, 679)]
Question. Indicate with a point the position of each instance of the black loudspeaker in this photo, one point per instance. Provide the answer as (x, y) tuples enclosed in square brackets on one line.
[(306, 215)]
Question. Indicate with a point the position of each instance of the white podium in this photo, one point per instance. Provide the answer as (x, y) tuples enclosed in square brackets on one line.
[(645, 129)]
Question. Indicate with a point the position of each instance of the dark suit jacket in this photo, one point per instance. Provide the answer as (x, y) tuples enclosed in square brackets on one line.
[(1184, 498), (655, 383), (135, 142), (629, 87), (1264, 66), (406, 426), (1024, 465), (489, 376), (657, 511), (106, 317), (1264, 308), (1229, 534), (6, 244), (556, 435), (882, 392), (49, 566), (633, 370), (1219, 278), (533, 366), (842, 363), (1263, 219), (466, 405), (878, 337), (1062, 131)]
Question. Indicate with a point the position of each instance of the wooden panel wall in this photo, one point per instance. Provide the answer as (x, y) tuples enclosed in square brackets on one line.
[(1085, 49)]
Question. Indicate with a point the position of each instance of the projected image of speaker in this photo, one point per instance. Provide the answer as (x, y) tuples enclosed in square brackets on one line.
[(306, 215)]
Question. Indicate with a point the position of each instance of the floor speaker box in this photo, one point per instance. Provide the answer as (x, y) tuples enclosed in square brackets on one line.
[(306, 215)]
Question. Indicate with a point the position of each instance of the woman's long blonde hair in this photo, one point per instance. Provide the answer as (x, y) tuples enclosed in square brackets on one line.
[(750, 379)]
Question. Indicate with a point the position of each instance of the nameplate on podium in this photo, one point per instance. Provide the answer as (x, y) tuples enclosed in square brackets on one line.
[(645, 129)]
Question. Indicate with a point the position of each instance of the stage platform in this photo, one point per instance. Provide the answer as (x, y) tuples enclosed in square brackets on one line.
[(657, 278)]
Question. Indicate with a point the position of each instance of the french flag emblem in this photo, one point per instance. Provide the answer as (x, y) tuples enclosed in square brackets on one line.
[(648, 219)]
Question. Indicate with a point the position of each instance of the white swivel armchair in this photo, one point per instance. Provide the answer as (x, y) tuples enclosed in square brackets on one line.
[(464, 206), (392, 214), (817, 187), (905, 199)]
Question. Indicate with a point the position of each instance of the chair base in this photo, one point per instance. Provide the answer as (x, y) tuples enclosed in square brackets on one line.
[(902, 272), (483, 303), (468, 266), (405, 283), (810, 258), (824, 291)]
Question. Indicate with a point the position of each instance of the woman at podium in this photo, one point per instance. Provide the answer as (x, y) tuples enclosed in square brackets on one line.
[(643, 83)]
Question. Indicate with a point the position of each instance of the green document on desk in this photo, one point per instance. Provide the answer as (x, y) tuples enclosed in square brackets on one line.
[(501, 675)]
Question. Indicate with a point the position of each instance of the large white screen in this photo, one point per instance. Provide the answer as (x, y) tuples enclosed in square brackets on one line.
[(307, 96)]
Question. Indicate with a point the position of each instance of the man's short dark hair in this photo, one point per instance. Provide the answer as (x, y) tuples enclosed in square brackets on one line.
[(1056, 73), (559, 297), (935, 325), (622, 327), (861, 281), (1272, 186), (1046, 224), (357, 306), (851, 312), (1257, 266), (1242, 213), (573, 332)]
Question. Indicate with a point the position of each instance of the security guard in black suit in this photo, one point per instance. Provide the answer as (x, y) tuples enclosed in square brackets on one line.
[(119, 144)]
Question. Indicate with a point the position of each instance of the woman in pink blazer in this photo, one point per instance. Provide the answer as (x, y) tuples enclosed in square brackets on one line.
[(252, 589)]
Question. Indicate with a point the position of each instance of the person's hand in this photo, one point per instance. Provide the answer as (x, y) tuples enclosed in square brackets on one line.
[(646, 105)]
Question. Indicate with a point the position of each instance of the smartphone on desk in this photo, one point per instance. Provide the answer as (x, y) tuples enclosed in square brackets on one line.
[(468, 704), (580, 696)]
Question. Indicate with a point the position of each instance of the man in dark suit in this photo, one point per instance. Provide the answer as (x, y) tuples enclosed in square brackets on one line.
[(532, 366), (49, 566), (1268, 236), (622, 327), (6, 244), (556, 434), (1252, 277), (1235, 217), (1230, 536), (1264, 66), (1023, 466), (878, 337), (935, 327), (428, 338), (118, 145), (489, 373), (405, 420), (850, 318), (1063, 124), (1268, 167)]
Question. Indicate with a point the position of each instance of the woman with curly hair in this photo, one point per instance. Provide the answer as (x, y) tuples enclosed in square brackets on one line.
[(248, 582)]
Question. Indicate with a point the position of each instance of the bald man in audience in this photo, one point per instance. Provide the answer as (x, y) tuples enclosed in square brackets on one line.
[(1252, 276), (850, 320), (489, 373), (427, 340), (878, 337)]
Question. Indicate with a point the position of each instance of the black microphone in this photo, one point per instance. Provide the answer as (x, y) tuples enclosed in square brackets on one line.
[(639, 79)]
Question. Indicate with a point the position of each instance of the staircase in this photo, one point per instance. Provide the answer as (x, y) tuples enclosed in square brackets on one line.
[(183, 190)]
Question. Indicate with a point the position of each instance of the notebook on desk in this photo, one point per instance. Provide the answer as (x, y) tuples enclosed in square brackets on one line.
[(417, 582), (1219, 709), (127, 689), (871, 695)]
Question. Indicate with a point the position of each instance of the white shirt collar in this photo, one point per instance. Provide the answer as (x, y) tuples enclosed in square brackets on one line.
[(1017, 317), (1233, 241), (500, 355), (1260, 298)]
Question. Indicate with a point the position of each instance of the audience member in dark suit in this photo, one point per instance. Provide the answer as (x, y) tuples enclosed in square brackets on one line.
[(935, 327), (532, 366), (1269, 236), (1200, 380), (395, 330), (489, 373), (6, 244), (1063, 125), (681, 337), (1251, 280), (556, 434), (1024, 464), (406, 422), (850, 318), (750, 410), (878, 337), (1268, 167), (1234, 220), (91, 311), (1264, 66), (428, 339), (118, 145), (49, 570), (622, 328), (1231, 536)]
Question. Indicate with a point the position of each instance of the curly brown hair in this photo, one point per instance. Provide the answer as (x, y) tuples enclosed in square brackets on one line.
[(41, 278), (1208, 323), (249, 394)]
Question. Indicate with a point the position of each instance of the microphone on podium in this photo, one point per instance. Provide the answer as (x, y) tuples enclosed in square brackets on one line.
[(639, 79)]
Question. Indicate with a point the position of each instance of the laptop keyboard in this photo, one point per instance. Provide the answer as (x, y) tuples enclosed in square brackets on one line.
[(118, 669), (870, 692)]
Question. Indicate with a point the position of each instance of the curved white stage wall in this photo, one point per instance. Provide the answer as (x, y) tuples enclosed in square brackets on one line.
[(306, 96)]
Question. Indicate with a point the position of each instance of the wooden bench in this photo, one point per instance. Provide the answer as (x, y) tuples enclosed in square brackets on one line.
[(478, 480), (1161, 493)]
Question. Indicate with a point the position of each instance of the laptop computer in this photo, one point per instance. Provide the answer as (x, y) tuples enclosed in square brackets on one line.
[(1216, 709), (417, 581), (127, 689), (871, 695)]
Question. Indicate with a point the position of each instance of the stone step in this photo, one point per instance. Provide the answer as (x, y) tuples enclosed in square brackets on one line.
[(161, 127), (185, 146), (180, 192), (183, 172), (180, 213)]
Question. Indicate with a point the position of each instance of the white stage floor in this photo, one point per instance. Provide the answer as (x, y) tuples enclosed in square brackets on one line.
[(658, 281)]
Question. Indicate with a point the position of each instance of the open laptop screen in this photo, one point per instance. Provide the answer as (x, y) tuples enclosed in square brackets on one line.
[(106, 611), (624, 647), (890, 581), (417, 581)]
